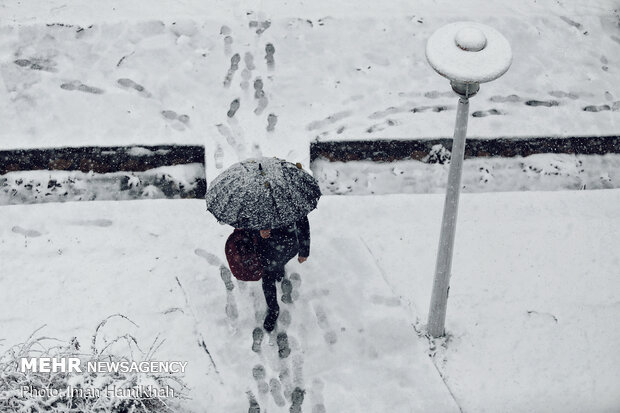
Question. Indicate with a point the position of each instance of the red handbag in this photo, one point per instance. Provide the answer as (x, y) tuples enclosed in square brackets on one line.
[(242, 254)]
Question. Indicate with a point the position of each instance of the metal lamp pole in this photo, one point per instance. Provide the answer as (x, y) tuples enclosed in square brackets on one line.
[(468, 54)]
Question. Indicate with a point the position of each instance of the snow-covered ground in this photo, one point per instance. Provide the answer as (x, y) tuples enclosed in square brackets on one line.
[(530, 318), (535, 277), (540, 172), (175, 71), (352, 340), (27, 187)]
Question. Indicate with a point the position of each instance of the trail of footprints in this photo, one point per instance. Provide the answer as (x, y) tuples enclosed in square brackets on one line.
[(261, 101), (288, 386), (321, 317)]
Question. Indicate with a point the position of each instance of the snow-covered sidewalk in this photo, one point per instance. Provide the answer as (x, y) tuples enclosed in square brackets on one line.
[(530, 318), (534, 300), (353, 343)]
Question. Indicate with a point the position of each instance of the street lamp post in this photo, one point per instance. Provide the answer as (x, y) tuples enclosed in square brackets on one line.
[(468, 54)]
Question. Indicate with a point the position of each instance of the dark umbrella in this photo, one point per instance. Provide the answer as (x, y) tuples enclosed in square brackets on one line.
[(262, 193)]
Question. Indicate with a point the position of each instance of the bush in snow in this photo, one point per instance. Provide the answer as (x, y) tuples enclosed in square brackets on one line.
[(438, 154), (86, 391)]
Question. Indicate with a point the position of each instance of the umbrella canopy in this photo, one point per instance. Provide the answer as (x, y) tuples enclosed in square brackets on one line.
[(262, 193)]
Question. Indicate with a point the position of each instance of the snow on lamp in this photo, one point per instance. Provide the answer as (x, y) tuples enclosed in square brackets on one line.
[(467, 53)]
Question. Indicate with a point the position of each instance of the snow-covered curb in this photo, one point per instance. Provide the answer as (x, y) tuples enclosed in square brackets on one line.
[(542, 172), (174, 182)]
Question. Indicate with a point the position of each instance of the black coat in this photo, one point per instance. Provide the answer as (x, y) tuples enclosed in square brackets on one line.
[(285, 243)]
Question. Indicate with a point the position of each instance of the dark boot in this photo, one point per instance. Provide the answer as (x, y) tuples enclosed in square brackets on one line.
[(279, 273), (270, 319)]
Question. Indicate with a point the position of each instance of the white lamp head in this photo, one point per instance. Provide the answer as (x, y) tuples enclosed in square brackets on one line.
[(468, 53)]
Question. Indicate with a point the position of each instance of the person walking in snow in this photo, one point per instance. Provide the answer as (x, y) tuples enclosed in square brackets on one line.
[(277, 247), (267, 201)]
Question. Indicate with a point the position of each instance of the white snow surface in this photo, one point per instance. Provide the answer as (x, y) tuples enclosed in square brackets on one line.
[(530, 318), (155, 74), (353, 344), (540, 172), (535, 275)]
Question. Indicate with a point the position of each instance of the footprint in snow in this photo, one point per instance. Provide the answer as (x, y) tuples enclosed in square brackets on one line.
[(226, 276), (130, 84), (439, 108), (234, 107), (319, 124), (172, 115), (297, 400), (272, 120), (77, 85), (381, 126), (276, 392), (232, 313), (573, 23), (246, 75), (560, 94), (228, 40), (30, 233), (218, 156), (298, 370), (259, 307), (248, 59), (234, 66), (504, 99), (258, 372), (321, 318), (284, 321), (212, 259), (392, 110), (598, 108), (287, 289), (45, 65), (179, 122), (434, 94), (546, 103), (316, 395), (257, 339), (254, 406), (227, 133), (484, 113), (260, 26), (262, 105), (270, 50), (296, 283), (284, 349), (258, 88), (287, 383)]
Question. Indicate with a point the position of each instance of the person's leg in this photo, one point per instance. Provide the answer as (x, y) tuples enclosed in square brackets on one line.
[(279, 273), (271, 297), (269, 288)]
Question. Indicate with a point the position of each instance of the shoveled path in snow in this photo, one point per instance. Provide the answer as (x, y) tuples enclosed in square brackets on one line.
[(352, 343), (353, 346)]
